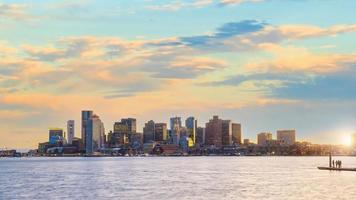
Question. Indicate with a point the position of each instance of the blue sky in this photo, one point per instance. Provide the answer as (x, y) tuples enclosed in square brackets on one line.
[(269, 64)]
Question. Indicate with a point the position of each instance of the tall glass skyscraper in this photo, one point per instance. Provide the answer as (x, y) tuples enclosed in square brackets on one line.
[(87, 130)]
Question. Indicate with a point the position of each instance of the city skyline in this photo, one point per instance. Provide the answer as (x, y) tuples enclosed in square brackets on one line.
[(264, 64)]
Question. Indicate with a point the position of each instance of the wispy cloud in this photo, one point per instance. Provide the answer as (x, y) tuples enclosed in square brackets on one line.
[(235, 2), (13, 11), (177, 5)]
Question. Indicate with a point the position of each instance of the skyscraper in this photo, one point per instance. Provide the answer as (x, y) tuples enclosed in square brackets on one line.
[(160, 132), (93, 132), (218, 132), (131, 124), (120, 135), (86, 127), (98, 133), (236, 133), (176, 125), (191, 124), (149, 132), (70, 131), (286, 137), (200, 136)]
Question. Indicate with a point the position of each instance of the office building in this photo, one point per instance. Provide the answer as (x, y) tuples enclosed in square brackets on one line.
[(70, 131), (200, 136), (98, 133), (236, 133), (149, 132), (131, 124), (286, 137), (191, 125), (262, 138), (160, 132), (55, 135), (175, 125), (86, 127), (218, 132), (93, 132)]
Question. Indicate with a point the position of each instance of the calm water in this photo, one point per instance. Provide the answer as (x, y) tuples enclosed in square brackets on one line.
[(175, 178)]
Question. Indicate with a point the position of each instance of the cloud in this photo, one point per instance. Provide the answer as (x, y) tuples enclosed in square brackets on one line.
[(294, 59), (13, 11), (226, 31), (177, 5), (336, 86), (235, 2)]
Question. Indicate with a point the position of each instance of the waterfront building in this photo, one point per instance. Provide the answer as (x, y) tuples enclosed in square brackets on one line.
[(218, 132), (191, 125), (149, 132), (70, 131), (236, 133), (86, 127), (55, 135), (98, 133), (200, 136), (92, 132), (262, 138), (175, 125), (246, 141), (131, 124), (160, 132), (286, 137)]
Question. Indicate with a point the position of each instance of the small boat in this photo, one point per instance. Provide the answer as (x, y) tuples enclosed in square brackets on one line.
[(337, 169)]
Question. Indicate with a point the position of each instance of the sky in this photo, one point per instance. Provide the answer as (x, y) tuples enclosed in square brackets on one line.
[(267, 64)]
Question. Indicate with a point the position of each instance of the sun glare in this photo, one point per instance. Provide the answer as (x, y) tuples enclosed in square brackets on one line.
[(346, 140)]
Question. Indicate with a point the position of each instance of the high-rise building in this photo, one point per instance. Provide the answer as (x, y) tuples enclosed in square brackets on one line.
[(93, 132), (286, 137), (98, 133), (120, 134), (262, 138), (160, 132), (200, 136), (191, 124), (218, 132), (149, 132), (55, 135), (131, 124), (70, 131), (176, 125), (236, 133), (86, 127)]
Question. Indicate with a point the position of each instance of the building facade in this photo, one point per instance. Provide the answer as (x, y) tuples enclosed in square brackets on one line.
[(286, 137), (191, 125), (218, 132), (86, 127), (236, 133), (55, 135), (263, 138), (149, 132), (176, 126), (70, 131), (160, 132)]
